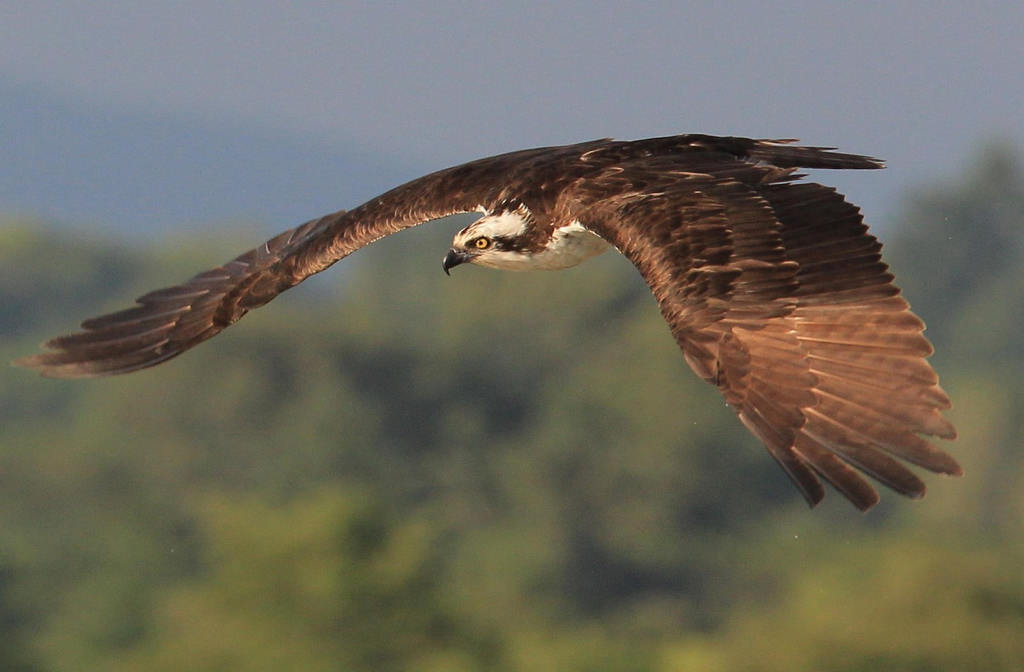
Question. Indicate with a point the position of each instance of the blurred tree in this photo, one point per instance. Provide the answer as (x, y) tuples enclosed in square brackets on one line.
[(878, 604), (328, 581), (958, 249), (960, 259)]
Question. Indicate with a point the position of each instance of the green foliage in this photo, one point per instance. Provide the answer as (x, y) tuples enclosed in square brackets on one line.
[(388, 469), (326, 581), (883, 603)]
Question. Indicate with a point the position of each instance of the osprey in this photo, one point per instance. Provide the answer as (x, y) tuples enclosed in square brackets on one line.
[(773, 288)]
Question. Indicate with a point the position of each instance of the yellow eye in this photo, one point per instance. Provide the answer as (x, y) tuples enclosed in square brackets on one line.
[(482, 243)]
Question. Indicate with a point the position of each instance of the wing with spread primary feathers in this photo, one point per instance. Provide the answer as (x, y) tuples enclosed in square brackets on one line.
[(169, 321), (777, 294)]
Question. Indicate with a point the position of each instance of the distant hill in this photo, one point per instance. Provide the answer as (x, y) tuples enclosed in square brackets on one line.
[(134, 171)]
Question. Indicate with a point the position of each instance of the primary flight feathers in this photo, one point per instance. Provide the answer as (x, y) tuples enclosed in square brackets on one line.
[(773, 288)]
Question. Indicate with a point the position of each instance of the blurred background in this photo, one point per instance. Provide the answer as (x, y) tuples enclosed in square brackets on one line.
[(388, 469)]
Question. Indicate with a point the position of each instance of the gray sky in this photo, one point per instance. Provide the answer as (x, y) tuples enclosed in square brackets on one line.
[(435, 83)]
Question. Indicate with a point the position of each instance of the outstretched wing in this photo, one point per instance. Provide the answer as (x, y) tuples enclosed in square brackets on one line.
[(169, 321), (166, 322), (777, 294)]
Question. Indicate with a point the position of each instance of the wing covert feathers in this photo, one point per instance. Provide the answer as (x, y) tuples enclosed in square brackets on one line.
[(774, 290)]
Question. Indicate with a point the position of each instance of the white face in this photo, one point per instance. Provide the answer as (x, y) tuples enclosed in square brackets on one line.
[(502, 225), (484, 238)]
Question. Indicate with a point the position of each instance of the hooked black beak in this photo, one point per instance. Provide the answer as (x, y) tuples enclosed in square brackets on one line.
[(453, 259)]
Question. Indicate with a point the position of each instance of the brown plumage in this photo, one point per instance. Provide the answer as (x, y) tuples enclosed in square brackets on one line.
[(773, 288)]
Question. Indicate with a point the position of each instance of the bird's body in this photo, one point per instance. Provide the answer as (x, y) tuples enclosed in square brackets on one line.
[(773, 288)]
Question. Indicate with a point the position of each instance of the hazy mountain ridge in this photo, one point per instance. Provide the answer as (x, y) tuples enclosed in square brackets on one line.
[(139, 172)]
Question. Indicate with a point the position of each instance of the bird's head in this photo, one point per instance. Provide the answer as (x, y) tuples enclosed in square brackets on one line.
[(495, 240)]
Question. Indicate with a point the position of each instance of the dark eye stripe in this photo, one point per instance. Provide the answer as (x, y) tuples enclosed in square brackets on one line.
[(509, 244)]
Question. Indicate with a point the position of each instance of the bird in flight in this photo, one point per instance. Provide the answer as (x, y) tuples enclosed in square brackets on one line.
[(772, 287)]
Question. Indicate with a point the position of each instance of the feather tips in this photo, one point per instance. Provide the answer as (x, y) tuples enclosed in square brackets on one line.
[(804, 334)]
